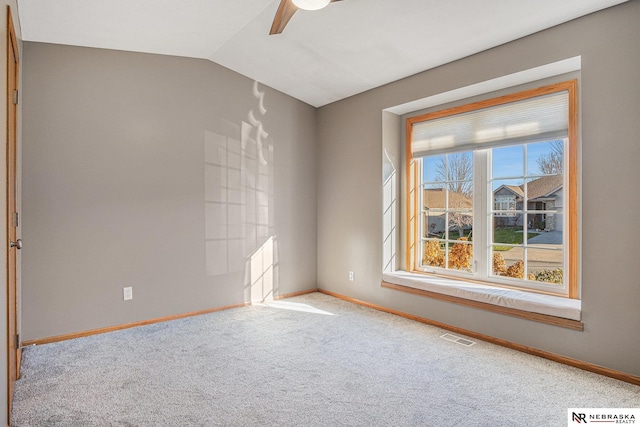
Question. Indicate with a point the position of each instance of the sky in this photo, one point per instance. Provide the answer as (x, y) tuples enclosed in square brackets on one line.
[(507, 162)]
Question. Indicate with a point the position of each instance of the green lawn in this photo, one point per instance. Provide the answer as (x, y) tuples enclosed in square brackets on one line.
[(500, 235), (453, 235), (509, 235)]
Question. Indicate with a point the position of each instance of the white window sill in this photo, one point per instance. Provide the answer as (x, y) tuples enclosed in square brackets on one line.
[(548, 305)]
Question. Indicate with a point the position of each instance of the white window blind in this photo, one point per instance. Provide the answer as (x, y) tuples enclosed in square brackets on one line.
[(541, 118)]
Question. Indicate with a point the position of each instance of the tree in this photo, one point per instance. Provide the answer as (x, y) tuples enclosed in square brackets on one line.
[(459, 220), (460, 172), (552, 162), (456, 170)]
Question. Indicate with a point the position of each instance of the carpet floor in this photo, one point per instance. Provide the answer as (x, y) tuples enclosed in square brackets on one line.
[(311, 360)]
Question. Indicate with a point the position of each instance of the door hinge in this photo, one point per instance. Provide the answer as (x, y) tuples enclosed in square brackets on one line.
[(17, 341), (16, 219), (16, 97)]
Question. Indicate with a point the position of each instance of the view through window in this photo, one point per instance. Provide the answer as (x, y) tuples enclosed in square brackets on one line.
[(493, 190)]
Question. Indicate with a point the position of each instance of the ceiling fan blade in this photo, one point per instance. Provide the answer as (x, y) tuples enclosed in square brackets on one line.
[(283, 15)]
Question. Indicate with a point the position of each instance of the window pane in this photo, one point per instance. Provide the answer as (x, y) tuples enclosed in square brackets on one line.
[(545, 158), (508, 196), (460, 226), (453, 256), (508, 162), (434, 197), (459, 168), (446, 210), (508, 230), (544, 265), (507, 263), (460, 214), (508, 217), (434, 224), (457, 200), (535, 224), (544, 193), (433, 253), (447, 199), (430, 168), (460, 256), (527, 212)]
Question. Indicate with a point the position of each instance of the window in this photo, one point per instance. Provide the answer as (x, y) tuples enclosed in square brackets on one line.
[(504, 205), (492, 194)]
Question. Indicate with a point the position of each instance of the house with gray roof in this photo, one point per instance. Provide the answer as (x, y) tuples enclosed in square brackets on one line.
[(542, 195)]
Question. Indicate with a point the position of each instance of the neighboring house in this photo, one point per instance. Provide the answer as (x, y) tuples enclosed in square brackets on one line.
[(543, 194), (435, 202)]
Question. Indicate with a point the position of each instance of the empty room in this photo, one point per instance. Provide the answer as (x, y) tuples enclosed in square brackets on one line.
[(321, 212)]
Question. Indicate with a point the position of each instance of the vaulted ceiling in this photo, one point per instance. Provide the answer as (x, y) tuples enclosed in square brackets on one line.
[(322, 56)]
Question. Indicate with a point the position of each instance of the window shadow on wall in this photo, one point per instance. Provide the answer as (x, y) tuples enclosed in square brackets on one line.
[(389, 208), (239, 232)]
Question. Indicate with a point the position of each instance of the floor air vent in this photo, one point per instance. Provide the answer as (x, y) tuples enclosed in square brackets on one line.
[(458, 340)]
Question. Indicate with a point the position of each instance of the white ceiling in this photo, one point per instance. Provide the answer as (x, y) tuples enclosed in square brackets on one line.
[(322, 56)]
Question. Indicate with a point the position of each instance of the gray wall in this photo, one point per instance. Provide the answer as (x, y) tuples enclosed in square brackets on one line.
[(350, 187), (175, 176)]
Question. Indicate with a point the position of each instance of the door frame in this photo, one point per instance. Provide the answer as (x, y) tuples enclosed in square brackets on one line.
[(13, 341)]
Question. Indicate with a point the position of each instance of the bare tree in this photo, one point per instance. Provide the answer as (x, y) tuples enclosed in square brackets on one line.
[(460, 220), (457, 171), (552, 162)]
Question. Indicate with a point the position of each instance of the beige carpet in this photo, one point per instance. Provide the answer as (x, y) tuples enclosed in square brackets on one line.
[(307, 361)]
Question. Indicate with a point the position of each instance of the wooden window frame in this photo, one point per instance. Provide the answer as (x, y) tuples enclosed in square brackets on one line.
[(413, 182)]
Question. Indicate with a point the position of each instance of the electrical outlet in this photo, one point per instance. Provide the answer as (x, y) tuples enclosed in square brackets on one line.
[(352, 276), (127, 293)]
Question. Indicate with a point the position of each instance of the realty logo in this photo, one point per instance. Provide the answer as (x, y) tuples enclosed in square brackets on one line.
[(579, 418), (602, 415)]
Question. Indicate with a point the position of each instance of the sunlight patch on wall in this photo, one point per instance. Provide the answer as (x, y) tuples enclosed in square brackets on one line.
[(238, 200), (238, 173), (262, 265), (389, 208)]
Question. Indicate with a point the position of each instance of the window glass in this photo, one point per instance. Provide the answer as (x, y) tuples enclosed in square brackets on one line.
[(527, 243), (447, 211)]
